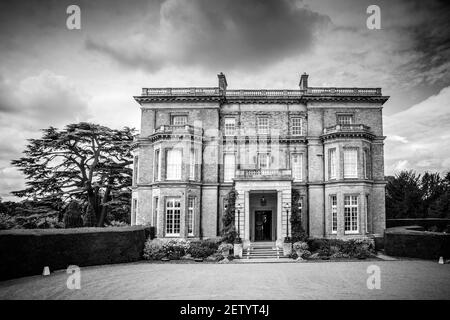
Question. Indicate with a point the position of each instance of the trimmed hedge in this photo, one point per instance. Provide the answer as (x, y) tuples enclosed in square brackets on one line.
[(425, 222), (414, 243), (26, 252)]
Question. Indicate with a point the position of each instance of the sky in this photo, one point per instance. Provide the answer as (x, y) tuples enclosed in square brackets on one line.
[(53, 76)]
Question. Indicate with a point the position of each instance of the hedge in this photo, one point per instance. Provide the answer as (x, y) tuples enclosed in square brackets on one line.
[(424, 222), (415, 243), (25, 252)]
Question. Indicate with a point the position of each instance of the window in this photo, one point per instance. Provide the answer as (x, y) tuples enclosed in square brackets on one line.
[(333, 201), (156, 171), (135, 204), (193, 164), (179, 120), (351, 214), (297, 166), (190, 216), (367, 213), (351, 163), (332, 163), (297, 127), (155, 211), (135, 170), (366, 163), (264, 160), (173, 213), (174, 163), (230, 126), (229, 167), (345, 119), (263, 125)]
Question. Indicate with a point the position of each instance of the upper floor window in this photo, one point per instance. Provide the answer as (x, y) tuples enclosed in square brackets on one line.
[(366, 164), (263, 125), (179, 120), (229, 167), (230, 126), (297, 127), (332, 163), (174, 164), (351, 214), (351, 163), (193, 164), (156, 171), (297, 166), (264, 160), (190, 216), (345, 119)]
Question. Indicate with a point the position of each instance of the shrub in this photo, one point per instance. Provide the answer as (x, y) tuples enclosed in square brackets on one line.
[(224, 247), (115, 223), (6, 222), (72, 216), (175, 249), (202, 248), (89, 218), (153, 249), (300, 245)]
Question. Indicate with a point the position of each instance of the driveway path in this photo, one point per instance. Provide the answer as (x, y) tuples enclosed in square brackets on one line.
[(403, 279)]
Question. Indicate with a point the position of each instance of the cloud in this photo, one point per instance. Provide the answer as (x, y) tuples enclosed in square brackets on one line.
[(222, 34), (28, 105), (420, 135)]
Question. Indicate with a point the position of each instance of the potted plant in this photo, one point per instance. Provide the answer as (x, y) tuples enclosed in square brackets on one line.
[(237, 247), (287, 246), (300, 248), (225, 248)]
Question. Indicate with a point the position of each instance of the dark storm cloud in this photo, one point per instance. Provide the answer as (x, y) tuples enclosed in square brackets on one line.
[(218, 33)]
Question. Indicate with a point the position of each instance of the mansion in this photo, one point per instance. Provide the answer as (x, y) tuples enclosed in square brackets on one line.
[(198, 144)]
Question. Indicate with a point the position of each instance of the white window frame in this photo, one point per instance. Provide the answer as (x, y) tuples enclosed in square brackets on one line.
[(351, 214), (350, 165), (190, 218), (345, 119), (263, 124), (332, 160), (172, 217), (297, 124), (157, 165), (229, 126), (264, 158), (333, 206), (193, 164), (297, 170), (179, 120), (174, 170), (366, 164), (229, 172)]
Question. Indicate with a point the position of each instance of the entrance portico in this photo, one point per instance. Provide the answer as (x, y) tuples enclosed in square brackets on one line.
[(264, 206)]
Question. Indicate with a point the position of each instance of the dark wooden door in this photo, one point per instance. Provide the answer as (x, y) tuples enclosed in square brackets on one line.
[(263, 225)]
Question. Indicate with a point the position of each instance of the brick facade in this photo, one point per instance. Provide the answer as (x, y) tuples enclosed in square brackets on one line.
[(303, 127)]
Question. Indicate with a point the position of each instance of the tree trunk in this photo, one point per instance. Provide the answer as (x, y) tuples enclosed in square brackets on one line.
[(101, 220)]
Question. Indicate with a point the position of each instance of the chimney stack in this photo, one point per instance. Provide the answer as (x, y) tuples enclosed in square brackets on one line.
[(303, 81), (222, 82)]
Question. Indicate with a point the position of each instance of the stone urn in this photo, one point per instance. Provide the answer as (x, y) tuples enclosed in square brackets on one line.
[(238, 250), (287, 248)]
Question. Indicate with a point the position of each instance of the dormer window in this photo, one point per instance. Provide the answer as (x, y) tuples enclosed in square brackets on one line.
[(179, 120)]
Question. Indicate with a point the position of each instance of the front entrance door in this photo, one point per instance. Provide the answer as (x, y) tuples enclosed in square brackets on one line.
[(263, 225)]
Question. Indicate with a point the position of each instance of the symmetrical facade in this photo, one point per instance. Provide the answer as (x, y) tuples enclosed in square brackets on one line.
[(197, 144)]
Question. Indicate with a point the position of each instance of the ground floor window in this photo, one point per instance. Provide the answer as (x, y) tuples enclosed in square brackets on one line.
[(155, 211), (190, 216), (333, 214), (351, 214), (173, 213)]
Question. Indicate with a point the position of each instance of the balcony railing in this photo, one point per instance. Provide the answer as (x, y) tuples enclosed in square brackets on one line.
[(269, 93), (178, 128), (345, 91), (346, 128), (256, 173)]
